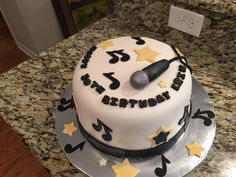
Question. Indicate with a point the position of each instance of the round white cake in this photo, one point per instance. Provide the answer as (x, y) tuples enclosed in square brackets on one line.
[(115, 113)]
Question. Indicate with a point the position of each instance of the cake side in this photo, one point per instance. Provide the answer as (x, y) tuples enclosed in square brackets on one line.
[(118, 115)]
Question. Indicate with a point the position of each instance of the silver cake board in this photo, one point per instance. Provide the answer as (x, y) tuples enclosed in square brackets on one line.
[(86, 158)]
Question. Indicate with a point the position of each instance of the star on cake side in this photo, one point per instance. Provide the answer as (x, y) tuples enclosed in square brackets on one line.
[(160, 136), (125, 169), (146, 54)]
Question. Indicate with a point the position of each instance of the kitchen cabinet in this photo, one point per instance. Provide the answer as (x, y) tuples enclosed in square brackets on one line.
[(33, 24)]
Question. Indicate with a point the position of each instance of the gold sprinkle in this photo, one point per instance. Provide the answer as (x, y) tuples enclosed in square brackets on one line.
[(162, 84), (69, 128)]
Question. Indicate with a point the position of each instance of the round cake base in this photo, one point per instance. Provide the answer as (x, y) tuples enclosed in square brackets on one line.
[(175, 162)]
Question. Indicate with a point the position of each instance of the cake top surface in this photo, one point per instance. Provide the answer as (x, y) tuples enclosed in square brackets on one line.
[(112, 62)]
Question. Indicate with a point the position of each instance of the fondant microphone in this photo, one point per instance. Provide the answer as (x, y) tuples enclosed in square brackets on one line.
[(142, 78)]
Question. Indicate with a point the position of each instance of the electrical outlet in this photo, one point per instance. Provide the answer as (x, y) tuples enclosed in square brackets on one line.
[(185, 20)]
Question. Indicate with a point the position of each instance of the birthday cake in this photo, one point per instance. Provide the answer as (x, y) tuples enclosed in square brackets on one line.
[(132, 96)]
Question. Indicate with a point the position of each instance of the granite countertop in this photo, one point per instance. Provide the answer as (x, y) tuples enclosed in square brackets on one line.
[(222, 6), (30, 91)]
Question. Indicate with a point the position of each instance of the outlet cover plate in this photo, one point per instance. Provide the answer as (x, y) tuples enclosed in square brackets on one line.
[(185, 20)]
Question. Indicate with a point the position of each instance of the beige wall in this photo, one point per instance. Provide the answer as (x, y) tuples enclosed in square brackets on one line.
[(33, 23)]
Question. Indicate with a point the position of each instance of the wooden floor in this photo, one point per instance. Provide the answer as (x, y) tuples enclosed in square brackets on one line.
[(16, 160), (10, 55)]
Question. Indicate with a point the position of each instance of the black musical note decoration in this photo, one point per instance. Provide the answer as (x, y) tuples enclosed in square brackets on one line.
[(186, 116), (69, 149), (162, 171), (139, 40), (98, 127), (115, 83), (115, 56), (206, 115), (65, 104)]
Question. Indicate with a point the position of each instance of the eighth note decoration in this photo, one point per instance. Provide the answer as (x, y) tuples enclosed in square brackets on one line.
[(65, 104), (115, 83), (139, 40), (162, 171), (69, 148)]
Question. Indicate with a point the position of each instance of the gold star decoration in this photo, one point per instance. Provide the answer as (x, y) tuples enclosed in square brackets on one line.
[(195, 149), (164, 131), (125, 169), (69, 128), (103, 162), (106, 44), (146, 54), (162, 84)]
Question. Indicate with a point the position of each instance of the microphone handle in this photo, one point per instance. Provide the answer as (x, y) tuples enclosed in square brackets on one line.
[(156, 69)]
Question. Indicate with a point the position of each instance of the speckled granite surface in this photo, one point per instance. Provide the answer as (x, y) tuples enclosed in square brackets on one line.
[(222, 6), (30, 91)]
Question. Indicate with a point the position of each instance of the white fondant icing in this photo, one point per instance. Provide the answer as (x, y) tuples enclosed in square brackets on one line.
[(130, 126)]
